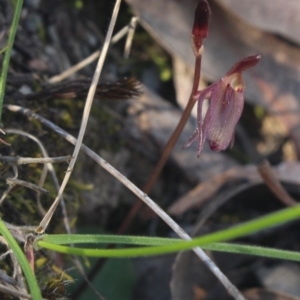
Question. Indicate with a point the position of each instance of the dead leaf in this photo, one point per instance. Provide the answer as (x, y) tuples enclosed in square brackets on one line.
[(264, 294), (199, 294)]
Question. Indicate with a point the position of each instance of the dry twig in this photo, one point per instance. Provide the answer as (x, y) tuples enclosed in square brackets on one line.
[(45, 221), (266, 172), (129, 29), (18, 160), (47, 166)]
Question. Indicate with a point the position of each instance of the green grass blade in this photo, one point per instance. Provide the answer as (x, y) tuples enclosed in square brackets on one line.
[(60, 239), (246, 228), (155, 241), (31, 280), (254, 250), (169, 248), (11, 39), (267, 221)]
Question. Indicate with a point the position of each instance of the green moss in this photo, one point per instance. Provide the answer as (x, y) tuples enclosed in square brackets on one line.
[(259, 112)]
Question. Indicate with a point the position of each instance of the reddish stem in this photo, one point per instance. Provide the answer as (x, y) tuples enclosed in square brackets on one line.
[(167, 149), (176, 133), (155, 173)]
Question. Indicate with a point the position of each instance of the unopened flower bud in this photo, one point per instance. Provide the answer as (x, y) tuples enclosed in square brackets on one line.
[(200, 27)]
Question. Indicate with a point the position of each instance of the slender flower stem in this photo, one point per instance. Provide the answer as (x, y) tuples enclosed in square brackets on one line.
[(176, 133), (196, 81), (266, 172), (167, 149)]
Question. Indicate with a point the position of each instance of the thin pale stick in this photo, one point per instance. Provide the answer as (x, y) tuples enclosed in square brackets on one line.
[(45, 221), (51, 169), (19, 232), (6, 192), (4, 278), (2, 256), (69, 72), (47, 167), (119, 35), (18, 160), (14, 292), (17, 279), (267, 174), (13, 182), (18, 275), (25, 229), (74, 69), (131, 31), (16, 171), (232, 290)]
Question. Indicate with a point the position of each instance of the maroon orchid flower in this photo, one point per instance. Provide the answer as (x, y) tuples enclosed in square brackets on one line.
[(226, 98)]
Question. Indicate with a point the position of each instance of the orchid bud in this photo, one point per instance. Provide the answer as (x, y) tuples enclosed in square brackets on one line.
[(200, 27)]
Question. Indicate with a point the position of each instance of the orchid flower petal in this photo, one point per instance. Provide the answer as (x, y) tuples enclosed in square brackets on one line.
[(244, 64), (201, 96), (191, 139), (200, 133), (226, 106)]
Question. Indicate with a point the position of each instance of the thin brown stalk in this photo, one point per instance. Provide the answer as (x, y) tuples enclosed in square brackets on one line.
[(167, 149), (267, 174), (178, 130), (47, 167)]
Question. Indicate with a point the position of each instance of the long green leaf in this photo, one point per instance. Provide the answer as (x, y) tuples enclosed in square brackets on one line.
[(166, 246), (60, 239), (282, 216)]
